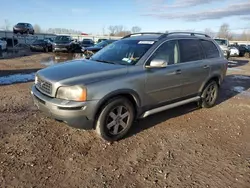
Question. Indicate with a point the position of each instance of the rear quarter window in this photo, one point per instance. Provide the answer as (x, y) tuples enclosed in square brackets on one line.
[(210, 49), (190, 50)]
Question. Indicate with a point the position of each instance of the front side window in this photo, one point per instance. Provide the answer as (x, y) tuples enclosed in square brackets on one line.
[(127, 52), (210, 49), (168, 51), (190, 50)]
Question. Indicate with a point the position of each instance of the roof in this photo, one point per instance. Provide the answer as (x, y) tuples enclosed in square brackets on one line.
[(152, 37), (159, 36)]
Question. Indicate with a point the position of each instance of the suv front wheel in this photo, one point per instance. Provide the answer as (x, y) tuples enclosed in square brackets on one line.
[(209, 95), (115, 119)]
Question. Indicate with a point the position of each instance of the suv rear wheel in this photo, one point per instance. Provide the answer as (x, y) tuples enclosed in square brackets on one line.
[(115, 119), (209, 95)]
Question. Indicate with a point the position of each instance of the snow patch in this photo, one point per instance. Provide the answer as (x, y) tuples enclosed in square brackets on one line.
[(238, 89), (241, 90), (234, 69), (241, 77), (17, 78)]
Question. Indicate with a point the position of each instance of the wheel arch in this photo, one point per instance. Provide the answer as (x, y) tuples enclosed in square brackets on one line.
[(129, 94), (216, 78)]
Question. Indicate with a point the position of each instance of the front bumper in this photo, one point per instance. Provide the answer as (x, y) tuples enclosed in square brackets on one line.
[(75, 114), (61, 47)]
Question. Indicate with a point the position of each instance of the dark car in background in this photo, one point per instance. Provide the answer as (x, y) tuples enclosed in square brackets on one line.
[(87, 43), (65, 43), (44, 45), (89, 51), (243, 50), (23, 28), (100, 40)]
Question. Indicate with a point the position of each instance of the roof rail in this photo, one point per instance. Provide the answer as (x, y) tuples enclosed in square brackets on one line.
[(143, 33), (190, 33)]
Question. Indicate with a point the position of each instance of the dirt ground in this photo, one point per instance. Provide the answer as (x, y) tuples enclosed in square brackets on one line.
[(182, 147)]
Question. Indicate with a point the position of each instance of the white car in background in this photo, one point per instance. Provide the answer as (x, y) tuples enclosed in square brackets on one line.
[(3, 45), (234, 51)]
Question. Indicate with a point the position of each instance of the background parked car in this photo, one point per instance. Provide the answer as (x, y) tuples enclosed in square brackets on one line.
[(89, 51), (100, 40), (23, 28), (234, 51), (65, 43), (41, 45), (3, 44), (223, 43), (244, 51), (87, 43)]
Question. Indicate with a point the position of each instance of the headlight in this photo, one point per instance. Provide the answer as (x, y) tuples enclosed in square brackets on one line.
[(75, 93), (36, 79)]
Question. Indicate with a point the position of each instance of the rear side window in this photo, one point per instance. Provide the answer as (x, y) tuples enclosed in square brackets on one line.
[(210, 49), (190, 50)]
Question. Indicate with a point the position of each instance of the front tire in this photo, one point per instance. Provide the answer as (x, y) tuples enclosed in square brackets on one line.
[(209, 95), (247, 55), (115, 119)]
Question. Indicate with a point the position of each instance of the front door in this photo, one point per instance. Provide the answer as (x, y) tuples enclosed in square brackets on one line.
[(163, 84)]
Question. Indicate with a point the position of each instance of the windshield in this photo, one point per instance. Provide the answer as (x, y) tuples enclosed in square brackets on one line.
[(38, 41), (63, 38), (123, 52), (102, 44), (86, 42), (21, 24), (221, 42)]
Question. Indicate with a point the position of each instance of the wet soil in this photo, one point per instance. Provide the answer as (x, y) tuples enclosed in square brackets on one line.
[(181, 147)]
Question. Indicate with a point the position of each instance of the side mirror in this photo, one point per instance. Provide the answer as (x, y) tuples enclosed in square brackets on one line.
[(157, 63)]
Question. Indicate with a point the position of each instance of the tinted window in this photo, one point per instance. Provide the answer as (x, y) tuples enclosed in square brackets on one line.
[(210, 49), (190, 50), (169, 52)]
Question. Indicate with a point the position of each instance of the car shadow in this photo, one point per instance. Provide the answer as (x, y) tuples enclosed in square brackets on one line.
[(233, 85), (232, 63)]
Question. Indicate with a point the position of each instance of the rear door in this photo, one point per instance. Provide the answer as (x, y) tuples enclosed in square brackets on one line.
[(195, 69)]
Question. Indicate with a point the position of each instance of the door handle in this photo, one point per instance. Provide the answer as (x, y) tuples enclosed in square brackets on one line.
[(178, 71), (206, 66)]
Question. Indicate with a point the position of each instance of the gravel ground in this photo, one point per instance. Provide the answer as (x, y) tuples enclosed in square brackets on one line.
[(181, 147)]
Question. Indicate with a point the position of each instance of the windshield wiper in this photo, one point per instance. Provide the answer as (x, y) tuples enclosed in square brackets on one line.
[(103, 61)]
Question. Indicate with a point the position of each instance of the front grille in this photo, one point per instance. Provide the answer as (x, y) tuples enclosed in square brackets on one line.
[(44, 86)]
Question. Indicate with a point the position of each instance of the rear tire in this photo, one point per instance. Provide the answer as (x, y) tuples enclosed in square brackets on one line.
[(209, 95), (115, 119)]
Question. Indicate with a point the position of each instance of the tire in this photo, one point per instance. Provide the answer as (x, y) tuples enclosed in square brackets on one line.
[(46, 49), (209, 95), (247, 55), (111, 114)]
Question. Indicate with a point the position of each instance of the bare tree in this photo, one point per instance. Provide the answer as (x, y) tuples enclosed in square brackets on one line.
[(209, 32), (224, 32), (245, 36), (112, 30), (119, 28), (37, 28), (135, 29)]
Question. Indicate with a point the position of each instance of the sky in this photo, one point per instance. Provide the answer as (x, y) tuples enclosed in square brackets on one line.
[(95, 16)]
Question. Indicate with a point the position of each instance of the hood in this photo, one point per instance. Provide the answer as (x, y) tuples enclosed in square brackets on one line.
[(81, 72)]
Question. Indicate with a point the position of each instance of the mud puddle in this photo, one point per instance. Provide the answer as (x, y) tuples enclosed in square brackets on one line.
[(61, 57)]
